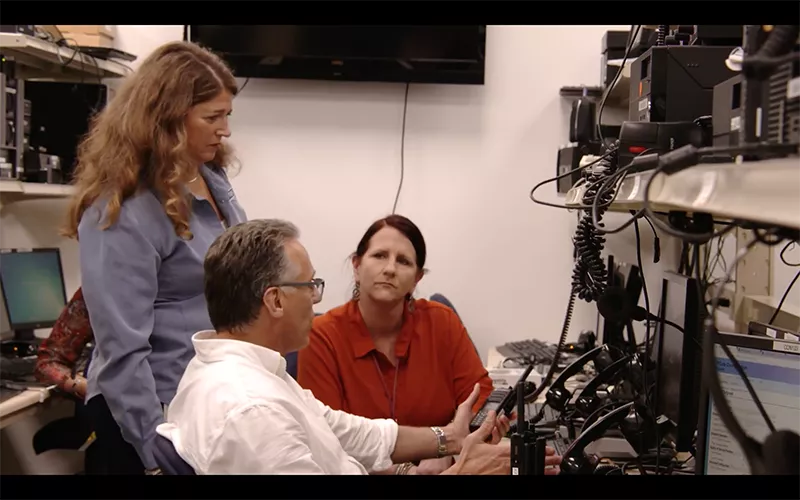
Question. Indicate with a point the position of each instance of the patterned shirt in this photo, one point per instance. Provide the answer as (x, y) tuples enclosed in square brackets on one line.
[(68, 348)]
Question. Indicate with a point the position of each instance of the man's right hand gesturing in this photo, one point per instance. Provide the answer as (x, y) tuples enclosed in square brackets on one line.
[(481, 458)]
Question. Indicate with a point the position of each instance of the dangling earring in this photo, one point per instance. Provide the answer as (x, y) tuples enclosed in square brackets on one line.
[(357, 291)]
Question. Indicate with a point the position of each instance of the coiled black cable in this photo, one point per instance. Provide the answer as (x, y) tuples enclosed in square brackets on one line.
[(589, 278)]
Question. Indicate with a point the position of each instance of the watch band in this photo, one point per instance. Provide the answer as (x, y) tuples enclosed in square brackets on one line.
[(441, 439)]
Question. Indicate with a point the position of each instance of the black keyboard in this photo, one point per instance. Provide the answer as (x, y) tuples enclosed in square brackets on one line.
[(13, 368), (529, 350), (559, 443), (6, 394)]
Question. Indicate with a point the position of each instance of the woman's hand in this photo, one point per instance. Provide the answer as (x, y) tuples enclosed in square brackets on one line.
[(79, 387)]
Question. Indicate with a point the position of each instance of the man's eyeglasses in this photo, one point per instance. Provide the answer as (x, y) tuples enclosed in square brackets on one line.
[(317, 285)]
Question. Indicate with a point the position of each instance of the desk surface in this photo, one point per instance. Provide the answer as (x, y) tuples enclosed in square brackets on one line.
[(18, 404)]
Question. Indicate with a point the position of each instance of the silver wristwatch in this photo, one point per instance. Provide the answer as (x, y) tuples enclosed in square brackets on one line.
[(441, 439)]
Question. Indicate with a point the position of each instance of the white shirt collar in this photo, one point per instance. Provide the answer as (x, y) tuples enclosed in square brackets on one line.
[(209, 348)]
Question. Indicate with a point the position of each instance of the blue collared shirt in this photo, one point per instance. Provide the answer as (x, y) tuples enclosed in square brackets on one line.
[(143, 287)]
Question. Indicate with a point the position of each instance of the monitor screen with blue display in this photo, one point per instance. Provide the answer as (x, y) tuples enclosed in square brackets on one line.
[(773, 368)]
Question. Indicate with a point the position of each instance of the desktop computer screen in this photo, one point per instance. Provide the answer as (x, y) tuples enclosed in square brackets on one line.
[(773, 369), (678, 357), (33, 287)]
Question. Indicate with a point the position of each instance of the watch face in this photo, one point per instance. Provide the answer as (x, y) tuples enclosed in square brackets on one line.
[(442, 440)]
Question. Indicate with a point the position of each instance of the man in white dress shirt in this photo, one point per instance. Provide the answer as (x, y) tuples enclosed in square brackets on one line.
[(237, 411)]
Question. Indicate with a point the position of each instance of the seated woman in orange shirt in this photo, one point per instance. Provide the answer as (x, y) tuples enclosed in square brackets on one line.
[(384, 354)]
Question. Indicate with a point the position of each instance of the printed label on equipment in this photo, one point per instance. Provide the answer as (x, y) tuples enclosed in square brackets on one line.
[(736, 123), (793, 88), (786, 346), (643, 104)]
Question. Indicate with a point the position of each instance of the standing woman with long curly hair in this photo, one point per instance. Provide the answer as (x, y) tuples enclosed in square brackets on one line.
[(152, 194)]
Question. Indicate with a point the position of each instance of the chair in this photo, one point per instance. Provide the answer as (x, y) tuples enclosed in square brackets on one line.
[(291, 359), (441, 299), (168, 460), (291, 364)]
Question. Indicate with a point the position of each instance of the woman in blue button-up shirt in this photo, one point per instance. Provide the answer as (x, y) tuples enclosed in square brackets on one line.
[(151, 196)]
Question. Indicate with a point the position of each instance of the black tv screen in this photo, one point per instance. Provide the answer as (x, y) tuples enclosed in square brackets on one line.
[(414, 54)]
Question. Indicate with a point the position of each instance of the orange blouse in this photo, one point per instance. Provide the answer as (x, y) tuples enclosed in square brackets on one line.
[(438, 366)]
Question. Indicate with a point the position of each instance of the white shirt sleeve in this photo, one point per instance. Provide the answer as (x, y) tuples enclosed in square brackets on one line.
[(370, 441), (247, 446)]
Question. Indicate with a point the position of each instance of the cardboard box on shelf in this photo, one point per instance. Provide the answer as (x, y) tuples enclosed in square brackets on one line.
[(108, 30), (101, 35)]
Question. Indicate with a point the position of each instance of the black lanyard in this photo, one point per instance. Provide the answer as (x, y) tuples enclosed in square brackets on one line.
[(393, 396)]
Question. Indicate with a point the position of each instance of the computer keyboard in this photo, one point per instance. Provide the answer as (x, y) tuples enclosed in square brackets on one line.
[(13, 368), (6, 394), (559, 443), (531, 350)]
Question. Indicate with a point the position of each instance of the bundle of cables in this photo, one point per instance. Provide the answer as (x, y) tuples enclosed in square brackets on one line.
[(589, 277)]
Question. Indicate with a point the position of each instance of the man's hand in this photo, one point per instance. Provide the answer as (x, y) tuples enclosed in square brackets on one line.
[(458, 430), (480, 457), (552, 462), (432, 466)]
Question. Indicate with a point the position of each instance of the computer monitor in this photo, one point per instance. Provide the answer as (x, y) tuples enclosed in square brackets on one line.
[(678, 357), (34, 294), (627, 276), (773, 368)]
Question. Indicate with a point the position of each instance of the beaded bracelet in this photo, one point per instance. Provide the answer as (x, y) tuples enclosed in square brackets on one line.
[(403, 469)]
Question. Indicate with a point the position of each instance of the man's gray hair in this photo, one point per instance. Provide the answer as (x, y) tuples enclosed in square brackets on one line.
[(240, 265)]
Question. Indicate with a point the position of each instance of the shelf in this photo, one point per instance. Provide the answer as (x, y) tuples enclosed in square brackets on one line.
[(42, 60), (577, 91), (619, 96), (765, 191), (15, 190)]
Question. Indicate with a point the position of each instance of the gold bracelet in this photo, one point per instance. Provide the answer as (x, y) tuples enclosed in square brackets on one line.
[(402, 469)]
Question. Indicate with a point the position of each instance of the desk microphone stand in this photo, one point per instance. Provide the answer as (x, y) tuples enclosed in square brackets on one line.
[(527, 452)]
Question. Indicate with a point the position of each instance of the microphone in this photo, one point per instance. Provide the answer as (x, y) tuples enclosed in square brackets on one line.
[(781, 454)]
